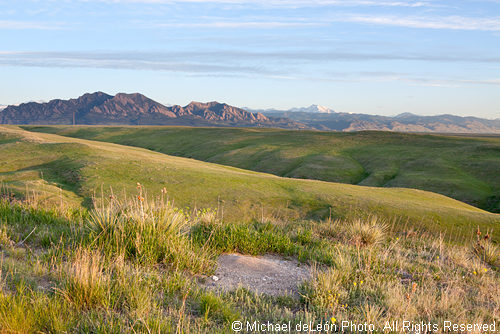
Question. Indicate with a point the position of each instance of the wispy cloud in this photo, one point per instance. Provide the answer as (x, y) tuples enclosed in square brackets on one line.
[(285, 3), (441, 22), (433, 82), (28, 25), (297, 56), (229, 24), (454, 22), (241, 64), (404, 77), (271, 58), (131, 61)]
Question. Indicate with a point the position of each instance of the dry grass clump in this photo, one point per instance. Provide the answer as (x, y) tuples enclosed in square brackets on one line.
[(325, 290), (207, 216), (371, 313), (134, 290), (490, 254), (148, 232), (5, 241), (368, 232), (86, 280), (487, 251)]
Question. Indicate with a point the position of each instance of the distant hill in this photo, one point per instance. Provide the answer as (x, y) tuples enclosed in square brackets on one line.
[(405, 122), (135, 109)]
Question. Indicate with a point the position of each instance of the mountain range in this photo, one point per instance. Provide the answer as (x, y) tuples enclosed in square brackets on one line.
[(136, 109), (405, 122)]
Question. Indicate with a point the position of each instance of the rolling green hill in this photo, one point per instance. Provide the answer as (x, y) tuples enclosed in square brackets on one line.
[(75, 169), (142, 266), (461, 167)]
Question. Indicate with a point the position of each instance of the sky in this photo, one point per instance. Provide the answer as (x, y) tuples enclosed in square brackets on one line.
[(378, 57)]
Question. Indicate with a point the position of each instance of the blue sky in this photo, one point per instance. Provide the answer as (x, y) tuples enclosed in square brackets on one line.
[(379, 57)]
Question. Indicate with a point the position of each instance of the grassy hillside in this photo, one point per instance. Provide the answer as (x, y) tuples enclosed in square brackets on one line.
[(141, 267), (464, 168), (75, 169), (132, 262)]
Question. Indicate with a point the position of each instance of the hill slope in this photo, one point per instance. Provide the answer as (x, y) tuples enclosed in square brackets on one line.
[(80, 167), (465, 168), (101, 108), (130, 267)]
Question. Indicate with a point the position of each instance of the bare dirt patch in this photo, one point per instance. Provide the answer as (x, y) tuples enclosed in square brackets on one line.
[(269, 274)]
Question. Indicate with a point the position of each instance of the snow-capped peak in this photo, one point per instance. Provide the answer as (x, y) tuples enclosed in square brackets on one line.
[(325, 110), (314, 108)]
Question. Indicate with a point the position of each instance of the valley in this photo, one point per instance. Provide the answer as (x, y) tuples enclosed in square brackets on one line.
[(462, 167)]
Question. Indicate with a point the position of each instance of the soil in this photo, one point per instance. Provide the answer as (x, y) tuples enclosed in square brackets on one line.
[(269, 274)]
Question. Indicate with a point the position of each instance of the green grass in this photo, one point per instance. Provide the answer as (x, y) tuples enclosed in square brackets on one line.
[(106, 238), (90, 281), (74, 170), (462, 167)]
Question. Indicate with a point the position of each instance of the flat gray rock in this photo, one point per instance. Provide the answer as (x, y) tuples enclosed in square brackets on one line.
[(269, 274)]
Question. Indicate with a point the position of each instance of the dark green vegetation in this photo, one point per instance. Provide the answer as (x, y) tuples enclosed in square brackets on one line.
[(72, 169), (461, 167)]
